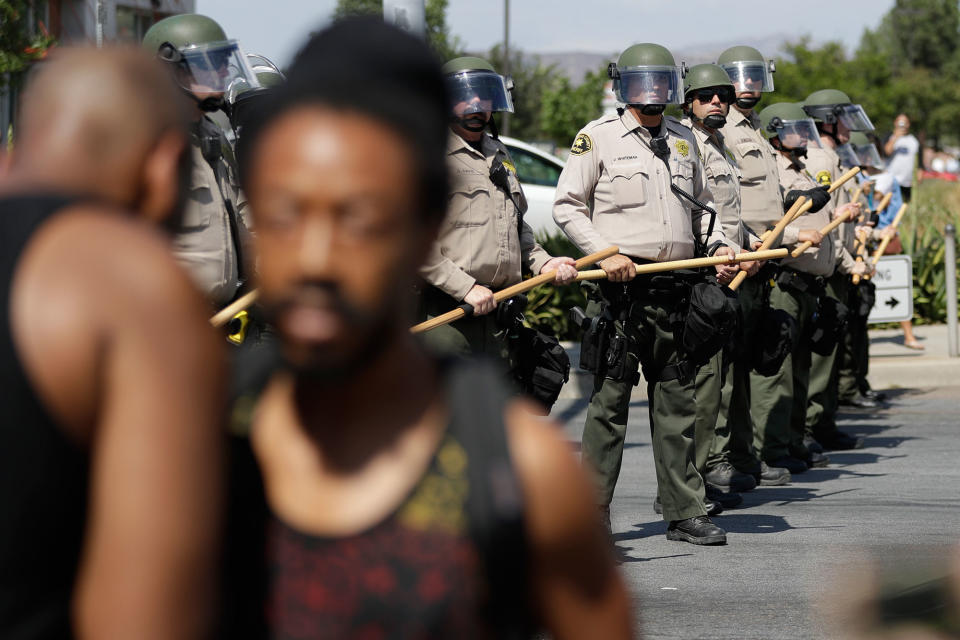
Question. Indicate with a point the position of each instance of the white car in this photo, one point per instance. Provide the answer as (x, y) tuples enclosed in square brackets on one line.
[(538, 172)]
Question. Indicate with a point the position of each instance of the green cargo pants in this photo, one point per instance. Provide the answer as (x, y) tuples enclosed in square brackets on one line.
[(855, 364), (823, 399), (472, 336), (780, 401), (734, 435), (672, 410)]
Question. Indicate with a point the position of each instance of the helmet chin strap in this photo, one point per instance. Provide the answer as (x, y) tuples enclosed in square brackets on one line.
[(651, 109), (208, 105), (470, 124), (747, 103)]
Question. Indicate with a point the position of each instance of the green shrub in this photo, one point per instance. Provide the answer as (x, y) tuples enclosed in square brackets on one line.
[(548, 305), (935, 204)]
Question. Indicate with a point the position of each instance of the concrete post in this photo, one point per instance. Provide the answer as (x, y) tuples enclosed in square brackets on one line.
[(950, 264)]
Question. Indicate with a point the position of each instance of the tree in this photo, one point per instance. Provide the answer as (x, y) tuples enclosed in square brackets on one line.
[(565, 109), (23, 37), (530, 81), (438, 35)]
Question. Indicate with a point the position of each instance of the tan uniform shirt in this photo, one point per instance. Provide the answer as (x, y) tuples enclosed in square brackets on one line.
[(824, 165), (615, 191), (761, 203), (818, 261), (479, 242), (203, 244), (723, 176)]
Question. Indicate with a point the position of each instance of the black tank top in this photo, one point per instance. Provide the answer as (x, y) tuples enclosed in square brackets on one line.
[(447, 563), (43, 475)]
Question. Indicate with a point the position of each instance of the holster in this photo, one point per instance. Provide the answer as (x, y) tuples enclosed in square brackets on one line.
[(538, 364), (862, 298), (828, 324), (801, 282), (605, 348)]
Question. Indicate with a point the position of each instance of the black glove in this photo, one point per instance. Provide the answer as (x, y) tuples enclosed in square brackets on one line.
[(819, 197), (790, 198)]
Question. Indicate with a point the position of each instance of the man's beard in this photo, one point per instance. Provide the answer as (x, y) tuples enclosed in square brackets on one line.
[(376, 328)]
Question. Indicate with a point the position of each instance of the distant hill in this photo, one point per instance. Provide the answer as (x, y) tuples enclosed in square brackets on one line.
[(576, 64)]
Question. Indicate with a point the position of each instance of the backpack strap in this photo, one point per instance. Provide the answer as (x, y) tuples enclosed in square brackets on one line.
[(478, 397)]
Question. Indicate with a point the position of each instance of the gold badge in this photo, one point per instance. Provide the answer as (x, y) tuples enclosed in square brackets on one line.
[(581, 145), (509, 165), (683, 148), (823, 178)]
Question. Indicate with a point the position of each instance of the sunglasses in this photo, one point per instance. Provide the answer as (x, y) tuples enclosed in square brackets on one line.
[(724, 93)]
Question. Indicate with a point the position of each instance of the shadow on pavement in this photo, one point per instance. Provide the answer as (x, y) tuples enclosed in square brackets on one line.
[(872, 442), (830, 473), (783, 496), (734, 522), (624, 557), (848, 458)]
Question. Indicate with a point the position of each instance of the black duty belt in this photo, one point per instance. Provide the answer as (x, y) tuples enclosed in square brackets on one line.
[(801, 281)]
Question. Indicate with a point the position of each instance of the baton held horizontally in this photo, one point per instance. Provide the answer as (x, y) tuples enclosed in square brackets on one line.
[(511, 291)]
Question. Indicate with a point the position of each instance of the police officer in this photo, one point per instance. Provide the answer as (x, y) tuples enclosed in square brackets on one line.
[(854, 388), (780, 401), (708, 94), (621, 185), (483, 243), (836, 117), (761, 207), (209, 242)]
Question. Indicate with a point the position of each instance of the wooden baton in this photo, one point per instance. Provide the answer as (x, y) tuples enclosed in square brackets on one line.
[(768, 238), (691, 263), (223, 316), (807, 206), (862, 249), (511, 291)]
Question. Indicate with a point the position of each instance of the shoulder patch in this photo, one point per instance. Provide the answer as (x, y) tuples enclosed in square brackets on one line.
[(510, 167), (683, 148), (823, 178), (581, 145)]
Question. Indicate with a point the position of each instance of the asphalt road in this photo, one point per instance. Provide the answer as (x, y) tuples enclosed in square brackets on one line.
[(896, 501)]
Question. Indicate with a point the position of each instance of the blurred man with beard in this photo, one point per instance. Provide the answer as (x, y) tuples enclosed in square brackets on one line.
[(112, 390), (390, 494)]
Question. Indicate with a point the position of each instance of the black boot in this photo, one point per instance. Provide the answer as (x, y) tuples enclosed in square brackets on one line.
[(698, 530), (812, 445), (772, 476), (726, 478), (816, 460), (791, 464), (726, 499), (839, 441)]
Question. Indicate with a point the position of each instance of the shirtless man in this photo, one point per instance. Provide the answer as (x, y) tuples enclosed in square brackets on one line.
[(365, 445), (109, 439)]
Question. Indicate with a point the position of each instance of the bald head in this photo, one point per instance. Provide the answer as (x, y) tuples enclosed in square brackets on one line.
[(91, 118)]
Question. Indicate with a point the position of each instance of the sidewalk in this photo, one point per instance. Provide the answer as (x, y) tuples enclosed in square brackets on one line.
[(892, 365)]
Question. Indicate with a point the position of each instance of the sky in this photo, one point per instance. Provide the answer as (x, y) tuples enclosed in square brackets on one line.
[(277, 28)]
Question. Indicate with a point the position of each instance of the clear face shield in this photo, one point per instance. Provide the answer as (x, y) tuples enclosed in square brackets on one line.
[(649, 85), (798, 134), (853, 117), (478, 91), (750, 76), (213, 70), (848, 155), (868, 156)]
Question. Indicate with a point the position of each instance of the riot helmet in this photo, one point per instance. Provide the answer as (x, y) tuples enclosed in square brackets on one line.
[(206, 64), (830, 106), (866, 150), (749, 73), (647, 77), (475, 87), (794, 132)]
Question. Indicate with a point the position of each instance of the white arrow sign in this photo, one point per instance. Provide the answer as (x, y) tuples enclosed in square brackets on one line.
[(894, 282)]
